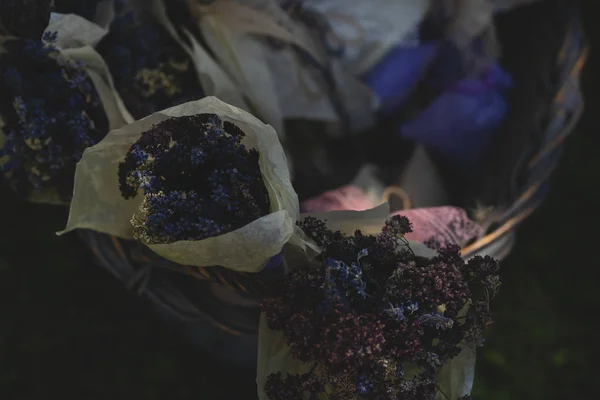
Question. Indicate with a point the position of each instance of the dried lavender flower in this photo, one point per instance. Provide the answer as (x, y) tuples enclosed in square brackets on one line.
[(371, 309), (150, 71), (24, 18), (197, 178), (51, 114), (206, 199)]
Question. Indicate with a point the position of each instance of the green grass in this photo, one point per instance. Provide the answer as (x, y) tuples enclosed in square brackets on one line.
[(544, 343)]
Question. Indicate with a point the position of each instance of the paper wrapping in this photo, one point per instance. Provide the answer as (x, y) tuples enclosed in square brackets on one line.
[(243, 56), (369, 29), (76, 37), (470, 19), (213, 79), (455, 378), (263, 18), (98, 205), (105, 13), (276, 82), (304, 94), (230, 30)]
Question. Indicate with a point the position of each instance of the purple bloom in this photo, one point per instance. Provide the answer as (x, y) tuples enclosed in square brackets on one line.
[(51, 112), (150, 71), (372, 307), (436, 321)]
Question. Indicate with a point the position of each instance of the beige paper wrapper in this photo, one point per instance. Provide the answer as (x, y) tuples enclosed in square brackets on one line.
[(105, 13), (296, 91), (455, 379), (370, 29), (304, 92), (76, 37), (97, 203), (262, 18), (243, 57), (234, 29), (231, 30), (74, 31), (470, 19)]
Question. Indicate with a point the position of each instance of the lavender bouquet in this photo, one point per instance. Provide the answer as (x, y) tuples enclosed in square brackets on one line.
[(201, 184), (56, 101), (151, 71), (374, 317), (213, 78)]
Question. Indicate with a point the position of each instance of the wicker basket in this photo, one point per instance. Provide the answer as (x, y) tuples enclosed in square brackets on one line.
[(219, 312)]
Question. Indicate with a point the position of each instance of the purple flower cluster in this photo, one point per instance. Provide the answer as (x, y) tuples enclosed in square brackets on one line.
[(24, 18), (150, 71), (197, 178), (50, 114), (372, 308)]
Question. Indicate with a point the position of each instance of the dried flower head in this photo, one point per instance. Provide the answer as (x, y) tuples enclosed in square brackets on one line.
[(197, 178), (150, 71), (24, 18), (372, 308), (51, 112)]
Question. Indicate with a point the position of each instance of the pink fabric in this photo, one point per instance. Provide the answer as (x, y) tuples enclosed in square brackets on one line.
[(441, 226), (435, 226), (343, 198)]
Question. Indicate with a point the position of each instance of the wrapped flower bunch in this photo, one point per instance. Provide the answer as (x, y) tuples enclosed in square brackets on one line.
[(197, 178), (372, 319), (151, 71), (201, 184), (24, 18), (50, 113)]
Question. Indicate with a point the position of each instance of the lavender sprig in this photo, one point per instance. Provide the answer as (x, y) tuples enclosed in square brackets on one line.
[(150, 71), (197, 178), (51, 114), (24, 18), (372, 308)]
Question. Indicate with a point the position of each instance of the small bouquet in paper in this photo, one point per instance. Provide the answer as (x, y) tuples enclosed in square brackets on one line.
[(150, 69), (57, 99), (374, 317), (201, 184)]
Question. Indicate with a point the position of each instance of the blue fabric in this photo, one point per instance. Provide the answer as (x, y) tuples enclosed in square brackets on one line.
[(275, 262), (461, 122), (396, 75)]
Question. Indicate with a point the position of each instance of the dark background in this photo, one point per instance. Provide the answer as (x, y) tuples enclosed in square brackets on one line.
[(68, 328)]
